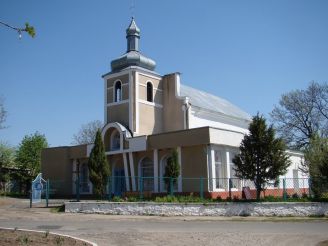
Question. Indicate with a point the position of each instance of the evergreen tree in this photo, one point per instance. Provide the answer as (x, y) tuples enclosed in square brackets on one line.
[(172, 170), (98, 166), (262, 157)]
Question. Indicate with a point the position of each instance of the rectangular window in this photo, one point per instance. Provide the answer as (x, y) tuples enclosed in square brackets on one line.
[(220, 181), (234, 180)]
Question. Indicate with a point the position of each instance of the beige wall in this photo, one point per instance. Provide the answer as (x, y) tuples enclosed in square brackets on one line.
[(158, 97), (110, 95), (118, 113), (124, 79), (57, 167), (173, 115), (157, 83), (142, 93), (150, 116), (193, 165), (125, 91), (165, 114), (179, 138), (125, 88), (151, 119), (79, 151)]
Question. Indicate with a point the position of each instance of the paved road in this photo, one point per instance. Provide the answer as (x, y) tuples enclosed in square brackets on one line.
[(122, 230)]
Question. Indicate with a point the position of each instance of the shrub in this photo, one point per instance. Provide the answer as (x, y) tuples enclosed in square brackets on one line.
[(132, 199), (324, 195), (219, 199), (295, 196), (117, 199)]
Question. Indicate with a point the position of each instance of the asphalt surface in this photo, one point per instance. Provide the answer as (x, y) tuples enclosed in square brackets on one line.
[(153, 230)]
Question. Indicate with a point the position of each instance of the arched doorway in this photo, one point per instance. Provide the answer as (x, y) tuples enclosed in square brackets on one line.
[(146, 174)]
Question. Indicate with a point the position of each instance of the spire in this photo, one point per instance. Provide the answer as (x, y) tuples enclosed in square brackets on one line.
[(132, 57), (132, 36)]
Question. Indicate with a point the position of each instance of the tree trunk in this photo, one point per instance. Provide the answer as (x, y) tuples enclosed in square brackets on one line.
[(258, 193)]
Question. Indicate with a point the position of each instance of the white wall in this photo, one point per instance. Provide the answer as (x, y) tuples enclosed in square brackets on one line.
[(225, 137), (198, 118), (293, 171)]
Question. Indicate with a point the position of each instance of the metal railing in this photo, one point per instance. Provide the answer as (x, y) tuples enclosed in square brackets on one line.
[(146, 188)]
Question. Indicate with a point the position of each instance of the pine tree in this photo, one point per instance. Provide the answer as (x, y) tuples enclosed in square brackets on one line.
[(98, 167), (172, 170), (262, 157)]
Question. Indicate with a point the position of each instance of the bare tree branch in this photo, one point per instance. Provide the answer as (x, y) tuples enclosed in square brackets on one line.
[(87, 133), (301, 114)]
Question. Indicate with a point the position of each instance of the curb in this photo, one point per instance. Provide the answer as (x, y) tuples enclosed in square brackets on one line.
[(53, 233), (243, 209)]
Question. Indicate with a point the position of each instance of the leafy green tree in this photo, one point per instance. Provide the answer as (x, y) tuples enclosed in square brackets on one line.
[(7, 159), (98, 166), (172, 170), (28, 29), (316, 164), (262, 157), (7, 155), (29, 153)]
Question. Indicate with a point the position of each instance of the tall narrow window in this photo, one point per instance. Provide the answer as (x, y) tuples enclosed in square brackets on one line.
[(149, 92), (118, 91), (219, 169)]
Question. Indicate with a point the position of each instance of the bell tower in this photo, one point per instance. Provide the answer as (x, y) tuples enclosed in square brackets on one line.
[(126, 86)]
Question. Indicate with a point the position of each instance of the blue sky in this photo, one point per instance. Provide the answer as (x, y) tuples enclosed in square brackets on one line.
[(248, 52)]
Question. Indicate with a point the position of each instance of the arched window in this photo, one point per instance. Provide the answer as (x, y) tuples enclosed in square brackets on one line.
[(146, 172), (149, 92), (118, 91), (115, 140)]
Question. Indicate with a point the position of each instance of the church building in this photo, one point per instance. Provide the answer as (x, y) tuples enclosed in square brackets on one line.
[(146, 117)]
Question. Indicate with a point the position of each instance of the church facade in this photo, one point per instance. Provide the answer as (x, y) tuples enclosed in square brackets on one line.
[(146, 116)]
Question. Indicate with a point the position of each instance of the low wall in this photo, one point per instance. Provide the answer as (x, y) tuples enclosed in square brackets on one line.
[(192, 209)]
